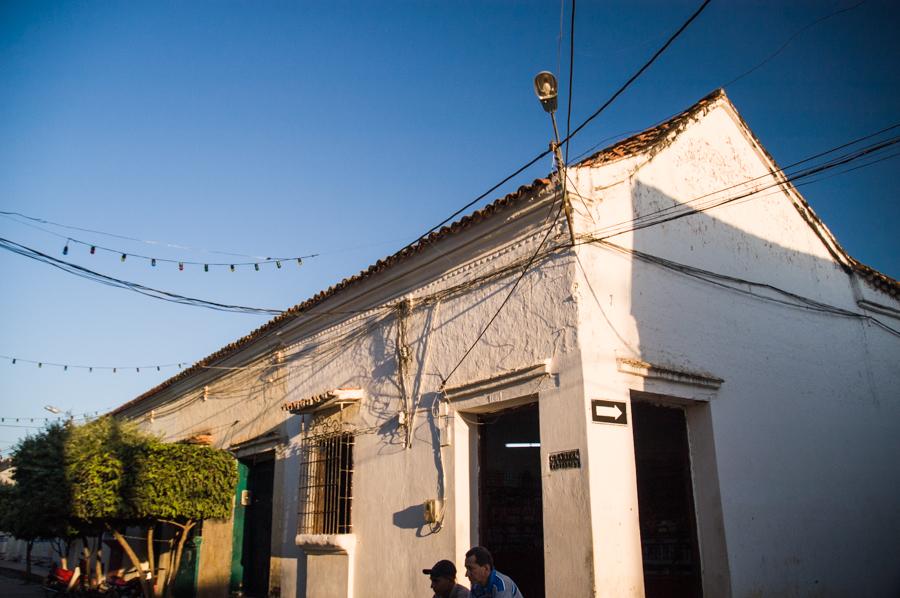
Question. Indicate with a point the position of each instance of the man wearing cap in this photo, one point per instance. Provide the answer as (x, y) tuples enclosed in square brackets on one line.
[(487, 582), (443, 581)]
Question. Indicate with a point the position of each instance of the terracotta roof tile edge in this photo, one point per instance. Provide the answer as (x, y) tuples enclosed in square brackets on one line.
[(630, 146), (379, 266)]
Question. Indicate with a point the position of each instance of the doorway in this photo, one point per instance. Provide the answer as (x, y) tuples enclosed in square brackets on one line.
[(255, 502), (510, 509), (671, 556)]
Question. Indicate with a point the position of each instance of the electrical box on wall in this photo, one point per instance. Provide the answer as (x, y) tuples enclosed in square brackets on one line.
[(434, 510)]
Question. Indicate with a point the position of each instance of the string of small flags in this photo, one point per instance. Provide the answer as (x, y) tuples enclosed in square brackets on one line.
[(143, 368), (93, 248), (232, 266), (91, 368), (84, 416)]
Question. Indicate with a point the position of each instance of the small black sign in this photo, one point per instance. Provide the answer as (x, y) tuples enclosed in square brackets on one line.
[(565, 460), (609, 412)]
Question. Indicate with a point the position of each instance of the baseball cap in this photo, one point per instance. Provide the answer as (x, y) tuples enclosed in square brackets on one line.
[(441, 569)]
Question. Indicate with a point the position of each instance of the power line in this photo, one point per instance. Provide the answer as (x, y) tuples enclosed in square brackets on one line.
[(717, 279), (508, 295), (569, 136), (126, 237), (449, 218), (790, 39), (640, 71), (123, 255), (687, 208), (571, 77), (566, 140), (131, 286), (729, 83)]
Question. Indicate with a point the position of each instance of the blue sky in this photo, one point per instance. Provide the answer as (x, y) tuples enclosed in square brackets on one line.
[(347, 129)]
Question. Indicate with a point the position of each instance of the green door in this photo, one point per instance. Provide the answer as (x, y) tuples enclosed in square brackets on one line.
[(237, 535)]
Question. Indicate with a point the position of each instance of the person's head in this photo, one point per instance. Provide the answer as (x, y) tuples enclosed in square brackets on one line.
[(479, 564), (443, 578)]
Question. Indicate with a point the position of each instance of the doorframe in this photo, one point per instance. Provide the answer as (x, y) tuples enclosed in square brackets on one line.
[(710, 521), (263, 452)]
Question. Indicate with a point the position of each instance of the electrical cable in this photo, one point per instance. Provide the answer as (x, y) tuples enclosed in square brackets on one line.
[(720, 280), (153, 260), (603, 107), (508, 295), (640, 71), (131, 286), (686, 208), (124, 237), (522, 169), (571, 77), (791, 38)]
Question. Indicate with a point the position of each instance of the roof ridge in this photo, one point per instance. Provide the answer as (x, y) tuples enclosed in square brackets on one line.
[(648, 138)]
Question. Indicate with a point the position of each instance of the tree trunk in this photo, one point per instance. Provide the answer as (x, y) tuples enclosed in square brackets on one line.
[(98, 559), (184, 532), (146, 586), (170, 563), (151, 557), (28, 546), (85, 561)]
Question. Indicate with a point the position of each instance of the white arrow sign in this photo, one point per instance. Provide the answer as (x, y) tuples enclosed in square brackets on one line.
[(613, 412), (609, 412)]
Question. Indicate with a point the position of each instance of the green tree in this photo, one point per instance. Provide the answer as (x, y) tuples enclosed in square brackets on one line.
[(40, 498), (15, 518), (180, 485), (122, 477)]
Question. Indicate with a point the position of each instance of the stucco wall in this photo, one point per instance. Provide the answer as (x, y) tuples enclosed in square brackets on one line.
[(791, 416), (392, 481), (805, 424)]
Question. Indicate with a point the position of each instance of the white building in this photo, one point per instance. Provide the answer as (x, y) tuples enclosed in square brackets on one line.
[(699, 393)]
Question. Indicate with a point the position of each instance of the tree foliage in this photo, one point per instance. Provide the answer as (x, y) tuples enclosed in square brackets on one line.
[(39, 473), (108, 474), (184, 482), (101, 461), (121, 476)]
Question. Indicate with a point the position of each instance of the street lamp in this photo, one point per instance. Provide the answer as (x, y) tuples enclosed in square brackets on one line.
[(52, 409), (547, 91)]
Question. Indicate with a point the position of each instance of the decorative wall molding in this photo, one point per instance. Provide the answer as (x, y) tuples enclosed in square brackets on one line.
[(337, 398), (649, 370), (326, 543), (498, 383)]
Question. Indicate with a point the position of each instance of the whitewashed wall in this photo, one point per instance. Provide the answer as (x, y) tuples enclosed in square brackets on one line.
[(793, 454), (805, 426)]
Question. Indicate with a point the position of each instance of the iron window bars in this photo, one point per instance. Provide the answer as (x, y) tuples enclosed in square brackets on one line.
[(326, 483)]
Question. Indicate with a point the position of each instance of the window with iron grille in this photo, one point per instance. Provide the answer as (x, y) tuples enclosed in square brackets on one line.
[(326, 483)]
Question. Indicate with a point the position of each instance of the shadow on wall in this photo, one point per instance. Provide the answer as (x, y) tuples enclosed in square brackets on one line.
[(687, 319), (782, 437)]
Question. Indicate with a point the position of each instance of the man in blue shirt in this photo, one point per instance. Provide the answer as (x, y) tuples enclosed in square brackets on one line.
[(487, 582)]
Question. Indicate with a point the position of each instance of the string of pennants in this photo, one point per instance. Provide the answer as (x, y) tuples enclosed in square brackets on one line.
[(91, 368)]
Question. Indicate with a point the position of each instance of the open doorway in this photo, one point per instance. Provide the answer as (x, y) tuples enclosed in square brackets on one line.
[(253, 522), (510, 511), (666, 502)]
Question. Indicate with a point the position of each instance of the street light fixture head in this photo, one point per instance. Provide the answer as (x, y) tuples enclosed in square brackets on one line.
[(546, 88), (52, 409)]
